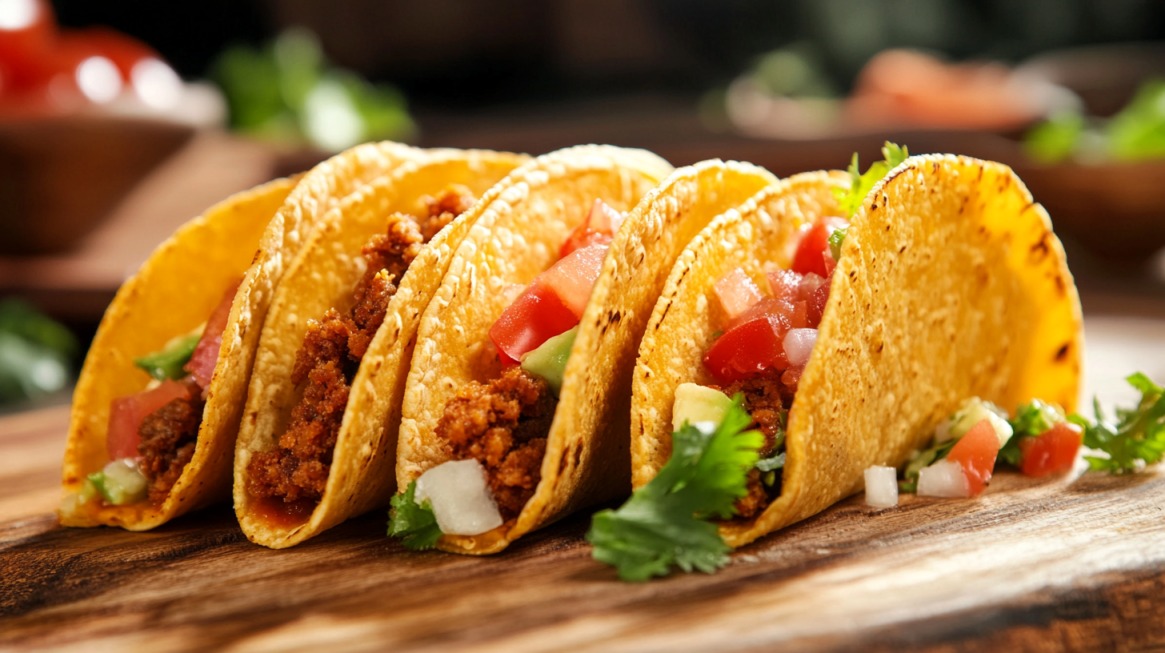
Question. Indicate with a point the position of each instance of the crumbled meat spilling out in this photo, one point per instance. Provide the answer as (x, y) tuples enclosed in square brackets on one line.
[(167, 443), (763, 401), (297, 470), (503, 424)]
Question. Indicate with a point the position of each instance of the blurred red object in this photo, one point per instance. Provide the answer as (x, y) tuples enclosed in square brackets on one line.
[(912, 88)]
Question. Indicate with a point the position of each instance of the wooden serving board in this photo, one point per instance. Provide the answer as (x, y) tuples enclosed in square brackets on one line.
[(1067, 564)]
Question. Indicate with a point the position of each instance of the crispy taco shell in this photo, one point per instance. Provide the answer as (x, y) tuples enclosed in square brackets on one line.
[(362, 473), (950, 284), (252, 236), (517, 238)]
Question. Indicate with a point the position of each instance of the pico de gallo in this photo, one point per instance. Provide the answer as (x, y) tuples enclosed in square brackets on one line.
[(1039, 440), (768, 336), (152, 434), (495, 432)]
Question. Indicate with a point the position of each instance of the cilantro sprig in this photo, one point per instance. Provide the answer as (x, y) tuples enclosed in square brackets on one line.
[(414, 524), (861, 183), (667, 523), (1136, 438)]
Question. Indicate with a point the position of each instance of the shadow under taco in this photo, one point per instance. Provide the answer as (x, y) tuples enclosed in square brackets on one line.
[(318, 440), (948, 283), (158, 401), (517, 402)]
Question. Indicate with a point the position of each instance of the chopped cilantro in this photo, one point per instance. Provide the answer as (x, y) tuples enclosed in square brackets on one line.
[(835, 240), (667, 522), (924, 458), (861, 184), (1136, 438), (1030, 420), (414, 524)]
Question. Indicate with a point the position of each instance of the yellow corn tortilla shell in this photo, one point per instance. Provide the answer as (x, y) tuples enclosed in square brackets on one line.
[(951, 284), (362, 475), (252, 236), (586, 452)]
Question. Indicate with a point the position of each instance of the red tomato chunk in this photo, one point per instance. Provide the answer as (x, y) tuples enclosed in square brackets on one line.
[(205, 357), (126, 415), (1051, 452), (598, 229), (975, 452)]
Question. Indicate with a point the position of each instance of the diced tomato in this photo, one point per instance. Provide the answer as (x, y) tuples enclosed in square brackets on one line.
[(736, 292), (573, 278), (552, 304), (813, 248), (598, 229), (1051, 452), (126, 415), (533, 318), (816, 303), (976, 452), (27, 33), (745, 350), (783, 284), (778, 311), (205, 356)]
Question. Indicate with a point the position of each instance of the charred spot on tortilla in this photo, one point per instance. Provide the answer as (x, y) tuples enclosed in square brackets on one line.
[(1040, 248)]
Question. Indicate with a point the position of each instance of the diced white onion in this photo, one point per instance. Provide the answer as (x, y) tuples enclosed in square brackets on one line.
[(943, 479), (460, 498), (124, 482), (881, 486), (799, 344)]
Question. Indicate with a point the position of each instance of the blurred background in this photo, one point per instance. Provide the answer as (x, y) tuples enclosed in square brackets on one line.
[(121, 120)]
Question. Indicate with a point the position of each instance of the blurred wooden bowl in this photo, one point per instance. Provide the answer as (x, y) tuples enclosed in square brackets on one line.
[(1114, 210), (62, 175)]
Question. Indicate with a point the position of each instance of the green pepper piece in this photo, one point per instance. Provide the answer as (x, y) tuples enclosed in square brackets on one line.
[(167, 362)]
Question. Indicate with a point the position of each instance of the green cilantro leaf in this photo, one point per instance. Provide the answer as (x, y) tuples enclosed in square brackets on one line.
[(924, 458), (835, 240), (414, 524), (861, 184), (666, 522), (1136, 438)]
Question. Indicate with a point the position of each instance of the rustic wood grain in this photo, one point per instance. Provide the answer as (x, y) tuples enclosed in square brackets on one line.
[(1072, 564)]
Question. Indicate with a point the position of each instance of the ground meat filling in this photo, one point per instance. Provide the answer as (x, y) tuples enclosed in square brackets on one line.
[(297, 469), (763, 401), (168, 436), (503, 425)]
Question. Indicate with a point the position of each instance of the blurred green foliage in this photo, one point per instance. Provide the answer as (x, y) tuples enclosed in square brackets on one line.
[(287, 91), (1135, 133), (35, 353)]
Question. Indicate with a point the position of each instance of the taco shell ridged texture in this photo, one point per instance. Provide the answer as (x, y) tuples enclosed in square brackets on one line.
[(253, 236), (362, 474), (586, 452), (950, 284)]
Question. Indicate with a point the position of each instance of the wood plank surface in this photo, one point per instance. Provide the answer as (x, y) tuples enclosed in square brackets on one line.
[(1068, 564)]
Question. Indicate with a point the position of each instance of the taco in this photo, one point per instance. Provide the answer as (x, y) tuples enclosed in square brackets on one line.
[(158, 401), (947, 284), (318, 439), (516, 405)]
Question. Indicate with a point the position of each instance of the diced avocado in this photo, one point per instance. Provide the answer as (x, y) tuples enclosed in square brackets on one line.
[(973, 411), (549, 359), (120, 482), (167, 362), (697, 403)]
